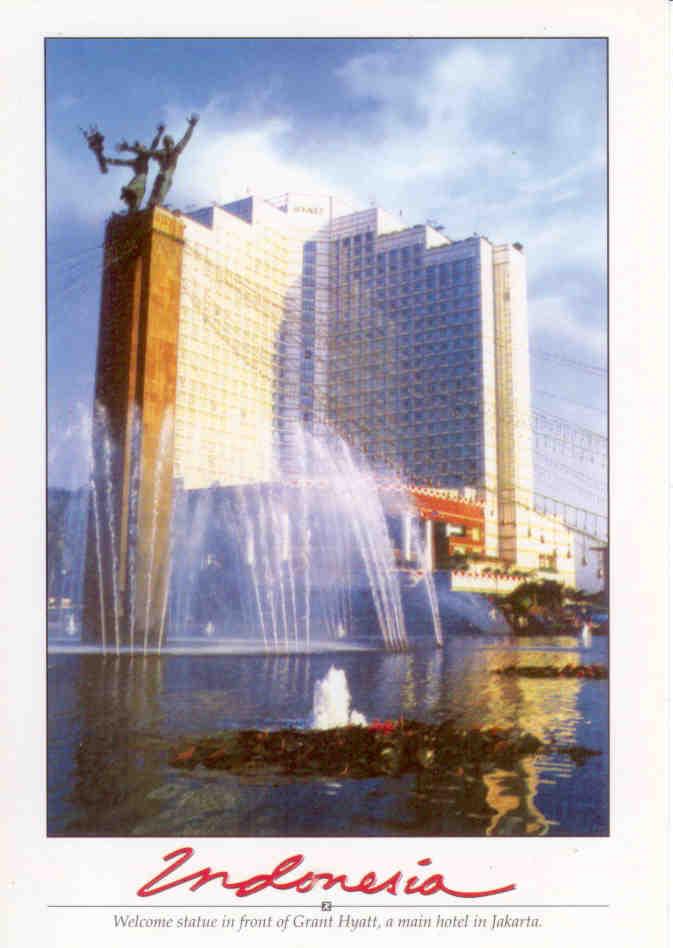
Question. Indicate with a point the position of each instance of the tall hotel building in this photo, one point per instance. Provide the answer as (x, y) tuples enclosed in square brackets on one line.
[(237, 320)]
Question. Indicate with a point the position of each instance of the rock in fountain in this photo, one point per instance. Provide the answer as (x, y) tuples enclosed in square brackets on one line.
[(332, 703)]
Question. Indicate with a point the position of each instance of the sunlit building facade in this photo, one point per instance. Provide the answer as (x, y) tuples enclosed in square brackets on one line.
[(237, 280), (412, 346)]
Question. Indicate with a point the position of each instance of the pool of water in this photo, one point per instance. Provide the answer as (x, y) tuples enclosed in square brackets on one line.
[(114, 721)]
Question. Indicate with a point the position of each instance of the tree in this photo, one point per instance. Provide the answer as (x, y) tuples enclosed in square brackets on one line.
[(546, 595)]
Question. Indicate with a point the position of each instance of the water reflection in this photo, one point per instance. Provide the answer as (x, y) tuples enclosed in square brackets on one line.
[(119, 702), (511, 795), (114, 721), (549, 709)]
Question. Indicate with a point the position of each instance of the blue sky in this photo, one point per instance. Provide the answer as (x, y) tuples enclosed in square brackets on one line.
[(506, 138)]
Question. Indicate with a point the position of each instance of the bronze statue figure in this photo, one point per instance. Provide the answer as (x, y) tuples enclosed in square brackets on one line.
[(132, 194), (167, 157)]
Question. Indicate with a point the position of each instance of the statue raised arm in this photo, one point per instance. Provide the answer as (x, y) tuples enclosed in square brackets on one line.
[(138, 148), (167, 158), (191, 122)]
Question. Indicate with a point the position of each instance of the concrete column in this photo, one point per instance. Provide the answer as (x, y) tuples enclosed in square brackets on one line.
[(128, 545), (406, 536), (429, 545)]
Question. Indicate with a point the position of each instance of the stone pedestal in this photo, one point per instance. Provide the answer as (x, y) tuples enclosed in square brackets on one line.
[(128, 542)]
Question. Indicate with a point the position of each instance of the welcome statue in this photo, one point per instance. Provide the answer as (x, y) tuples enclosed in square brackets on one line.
[(166, 157)]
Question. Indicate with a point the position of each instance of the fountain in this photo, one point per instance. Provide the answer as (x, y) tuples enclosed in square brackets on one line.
[(332, 703), (303, 561), (586, 635)]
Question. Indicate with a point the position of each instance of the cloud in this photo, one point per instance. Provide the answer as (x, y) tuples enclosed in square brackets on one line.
[(238, 156), (71, 174), (439, 87), (594, 164), (475, 140), (67, 101), (420, 119), (553, 317)]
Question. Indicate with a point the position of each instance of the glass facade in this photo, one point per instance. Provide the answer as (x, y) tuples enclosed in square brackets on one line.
[(307, 361), (404, 354)]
